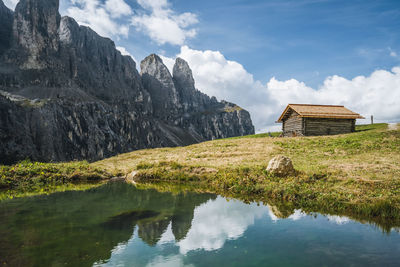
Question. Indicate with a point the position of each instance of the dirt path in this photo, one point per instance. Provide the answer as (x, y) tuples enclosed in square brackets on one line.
[(393, 126)]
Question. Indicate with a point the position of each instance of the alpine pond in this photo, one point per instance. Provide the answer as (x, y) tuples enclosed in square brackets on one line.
[(117, 224)]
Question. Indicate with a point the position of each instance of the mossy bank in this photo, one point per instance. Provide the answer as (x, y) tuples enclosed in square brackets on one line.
[(31, 178)]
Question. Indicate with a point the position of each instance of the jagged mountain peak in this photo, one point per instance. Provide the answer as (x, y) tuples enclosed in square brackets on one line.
[(181, 63), (157, 79), (183, 75), (153, 65), (153, 58)]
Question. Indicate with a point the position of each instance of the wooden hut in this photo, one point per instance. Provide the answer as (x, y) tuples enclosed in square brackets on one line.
[(306, 120)]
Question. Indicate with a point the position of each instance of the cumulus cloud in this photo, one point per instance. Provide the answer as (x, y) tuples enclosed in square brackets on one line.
[(376, 94), (101, 16), (162, 24), (118, 8), (11, 3)]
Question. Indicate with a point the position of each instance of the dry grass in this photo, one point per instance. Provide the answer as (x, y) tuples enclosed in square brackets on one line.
[(310, 155), (213, 154)]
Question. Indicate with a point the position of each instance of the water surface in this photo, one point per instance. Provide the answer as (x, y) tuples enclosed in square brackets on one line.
[(119, 225)]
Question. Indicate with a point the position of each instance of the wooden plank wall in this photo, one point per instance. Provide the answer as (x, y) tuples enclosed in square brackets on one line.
[(293, 126), (317, 126)]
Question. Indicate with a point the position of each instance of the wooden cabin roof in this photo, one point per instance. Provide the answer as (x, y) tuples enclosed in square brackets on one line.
[(319, 111)]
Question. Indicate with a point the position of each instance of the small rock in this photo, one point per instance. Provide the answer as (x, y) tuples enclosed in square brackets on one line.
[(117, 179), (281, 166), (131, 177)]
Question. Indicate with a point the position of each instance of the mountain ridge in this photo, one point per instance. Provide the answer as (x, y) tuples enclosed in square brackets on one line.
[(68, 93)]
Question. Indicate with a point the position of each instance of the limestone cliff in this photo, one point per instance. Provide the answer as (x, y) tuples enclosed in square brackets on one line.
[(67, 93), (6, 17)]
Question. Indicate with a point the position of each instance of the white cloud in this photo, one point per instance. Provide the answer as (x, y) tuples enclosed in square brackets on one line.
[(118, 8), (167, 236), (376, 94), (168, 261), (393, 53), (101, 17), (217, 221), (338, 219), (162, 24), (11, 3), (153, 4)]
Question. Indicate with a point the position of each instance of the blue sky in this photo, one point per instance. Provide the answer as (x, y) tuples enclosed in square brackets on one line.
[(303, 39), (264, 54)]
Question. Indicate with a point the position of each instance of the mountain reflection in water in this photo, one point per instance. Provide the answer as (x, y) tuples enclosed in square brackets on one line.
[(78, 228), (119, 225)]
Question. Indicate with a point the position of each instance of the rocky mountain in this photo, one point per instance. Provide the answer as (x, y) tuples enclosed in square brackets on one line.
[(67, 93), (6, 17)]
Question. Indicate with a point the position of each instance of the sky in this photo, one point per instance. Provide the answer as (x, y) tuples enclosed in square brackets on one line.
[(264, 54)]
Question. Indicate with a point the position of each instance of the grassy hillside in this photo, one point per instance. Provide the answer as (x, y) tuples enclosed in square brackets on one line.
[(370, 154)]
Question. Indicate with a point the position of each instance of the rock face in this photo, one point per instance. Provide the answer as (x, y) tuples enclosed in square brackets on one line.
[(6, 16), (177, 102), (281, 166), (61, 130), (67, 93), (35, 29)]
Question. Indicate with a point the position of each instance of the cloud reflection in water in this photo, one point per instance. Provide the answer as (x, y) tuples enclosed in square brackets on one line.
[(217, 221)]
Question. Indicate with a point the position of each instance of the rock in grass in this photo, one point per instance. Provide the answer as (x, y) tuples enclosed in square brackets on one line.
[(281, 166), (131, 177)]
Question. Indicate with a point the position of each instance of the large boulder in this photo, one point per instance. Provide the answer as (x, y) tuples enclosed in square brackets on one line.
[(281, 166)]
